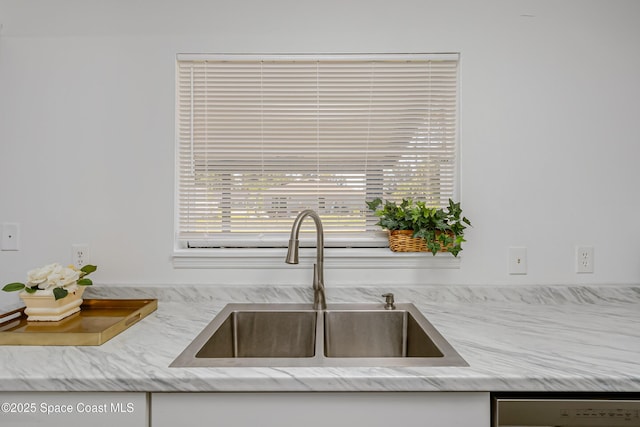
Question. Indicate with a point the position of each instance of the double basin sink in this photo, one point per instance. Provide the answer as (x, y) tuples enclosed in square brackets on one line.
[(295, 335)]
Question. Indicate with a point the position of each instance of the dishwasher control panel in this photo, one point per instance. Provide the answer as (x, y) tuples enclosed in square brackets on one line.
[(566, 413)]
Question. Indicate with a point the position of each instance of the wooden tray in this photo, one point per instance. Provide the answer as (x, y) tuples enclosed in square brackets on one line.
[(97, 322)]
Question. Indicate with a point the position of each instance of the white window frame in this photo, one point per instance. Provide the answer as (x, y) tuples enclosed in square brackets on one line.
[(273, 257)]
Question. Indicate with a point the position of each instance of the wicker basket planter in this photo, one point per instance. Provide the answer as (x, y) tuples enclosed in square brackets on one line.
[(409, 217), (403, 241)]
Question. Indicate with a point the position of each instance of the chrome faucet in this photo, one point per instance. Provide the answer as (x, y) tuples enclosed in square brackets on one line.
[(319, 301)]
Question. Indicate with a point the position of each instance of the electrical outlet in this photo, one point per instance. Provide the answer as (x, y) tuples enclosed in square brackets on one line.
[(517, 260), (10, 236), (584, 259), (80, 255)]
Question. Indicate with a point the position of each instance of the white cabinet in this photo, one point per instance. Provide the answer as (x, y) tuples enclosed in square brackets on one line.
[(306, 409), (319, 409), (73, 409)]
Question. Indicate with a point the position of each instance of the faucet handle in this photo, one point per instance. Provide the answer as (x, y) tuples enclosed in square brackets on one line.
[(389, 301)]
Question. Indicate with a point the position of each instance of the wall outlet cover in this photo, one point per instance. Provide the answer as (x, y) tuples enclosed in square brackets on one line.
[(584, 259), (80, 255)]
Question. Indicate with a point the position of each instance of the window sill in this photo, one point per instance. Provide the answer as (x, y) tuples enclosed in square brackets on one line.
[(335, 258)]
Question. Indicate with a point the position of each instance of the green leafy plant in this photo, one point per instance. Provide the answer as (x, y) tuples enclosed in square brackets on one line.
[(60, 280), (440, 228)]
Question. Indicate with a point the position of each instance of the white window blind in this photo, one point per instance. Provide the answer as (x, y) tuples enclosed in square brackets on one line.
[(261, 138)]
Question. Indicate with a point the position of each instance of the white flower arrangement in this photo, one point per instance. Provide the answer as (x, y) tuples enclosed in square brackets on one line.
[(53, 279)]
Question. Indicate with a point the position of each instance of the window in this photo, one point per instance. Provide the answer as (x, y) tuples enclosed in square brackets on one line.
[(261, 138)]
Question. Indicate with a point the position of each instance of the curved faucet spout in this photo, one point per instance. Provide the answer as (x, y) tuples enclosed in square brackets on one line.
[(319, 300)]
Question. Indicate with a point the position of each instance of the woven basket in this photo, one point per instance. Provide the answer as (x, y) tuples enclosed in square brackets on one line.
[(403, 241)]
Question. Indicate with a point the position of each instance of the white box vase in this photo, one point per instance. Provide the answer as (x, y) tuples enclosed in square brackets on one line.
[(44, 307)]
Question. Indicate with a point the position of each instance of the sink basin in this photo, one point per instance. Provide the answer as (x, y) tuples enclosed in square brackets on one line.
[(266, 333), (273, 335), (375, 333)]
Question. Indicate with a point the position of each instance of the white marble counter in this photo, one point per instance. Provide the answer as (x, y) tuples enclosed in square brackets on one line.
[(514, 339)]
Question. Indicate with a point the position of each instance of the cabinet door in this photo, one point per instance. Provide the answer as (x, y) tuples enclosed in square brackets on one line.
[(320, 409), (73, 409)]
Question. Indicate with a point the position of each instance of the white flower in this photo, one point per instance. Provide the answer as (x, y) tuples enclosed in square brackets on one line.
[(52, 276), (39, 276), (48, 280), (70, 276), (62, 276)]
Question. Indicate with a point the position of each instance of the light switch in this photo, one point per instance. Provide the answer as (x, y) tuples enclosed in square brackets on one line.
[(517, 260), (10, 236)]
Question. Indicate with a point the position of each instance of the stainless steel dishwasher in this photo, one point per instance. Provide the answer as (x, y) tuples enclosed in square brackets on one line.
[(565, 411)]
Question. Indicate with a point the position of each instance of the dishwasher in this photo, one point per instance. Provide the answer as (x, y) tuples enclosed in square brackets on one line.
[(565, 410)]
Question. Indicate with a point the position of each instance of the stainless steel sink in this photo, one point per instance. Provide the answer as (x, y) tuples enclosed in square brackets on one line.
[(281, 333), (375, 333), (296, 335)]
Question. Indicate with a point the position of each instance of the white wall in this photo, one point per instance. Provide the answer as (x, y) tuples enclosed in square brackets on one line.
[(549, 126)]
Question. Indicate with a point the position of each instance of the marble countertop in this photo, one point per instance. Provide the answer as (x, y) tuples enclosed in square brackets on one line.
[(515, 338)]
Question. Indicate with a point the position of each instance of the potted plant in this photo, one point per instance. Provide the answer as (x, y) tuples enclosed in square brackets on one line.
[(53, 292), (415, 227)]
